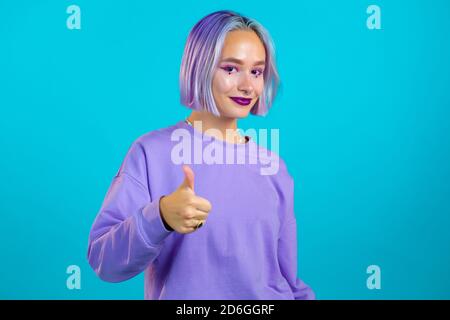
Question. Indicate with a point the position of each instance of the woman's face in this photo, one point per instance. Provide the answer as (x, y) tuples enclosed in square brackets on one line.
[(239, 74)]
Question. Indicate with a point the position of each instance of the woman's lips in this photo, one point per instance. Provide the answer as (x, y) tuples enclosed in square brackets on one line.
[(241, 101)]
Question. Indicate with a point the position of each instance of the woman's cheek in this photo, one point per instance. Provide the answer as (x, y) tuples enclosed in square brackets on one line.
[(224, 84), (259, 87)]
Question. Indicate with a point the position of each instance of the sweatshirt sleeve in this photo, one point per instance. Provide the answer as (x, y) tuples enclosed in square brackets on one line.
[(128, 232), (287, 243)]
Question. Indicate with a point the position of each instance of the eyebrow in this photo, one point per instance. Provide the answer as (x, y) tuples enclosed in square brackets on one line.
[(257, 63)]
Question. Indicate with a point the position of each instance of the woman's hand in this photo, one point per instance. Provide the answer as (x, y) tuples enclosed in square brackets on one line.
[(182, 210)]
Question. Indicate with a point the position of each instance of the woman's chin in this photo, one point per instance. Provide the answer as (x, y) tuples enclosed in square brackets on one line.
[(240, 111)]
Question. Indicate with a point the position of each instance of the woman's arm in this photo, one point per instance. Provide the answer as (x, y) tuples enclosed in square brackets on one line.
[(128, 233), (287, 243), (287, 257)]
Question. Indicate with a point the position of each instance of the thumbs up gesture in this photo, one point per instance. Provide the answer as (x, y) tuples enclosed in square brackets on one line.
[(182, 210)]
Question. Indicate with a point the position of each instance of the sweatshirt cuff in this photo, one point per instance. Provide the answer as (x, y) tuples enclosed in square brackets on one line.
[(152, 224)]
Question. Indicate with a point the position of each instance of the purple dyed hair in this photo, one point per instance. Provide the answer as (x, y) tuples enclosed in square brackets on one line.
[(201, 55)]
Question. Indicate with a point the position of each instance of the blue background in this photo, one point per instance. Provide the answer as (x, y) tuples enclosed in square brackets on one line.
[(363, 118)]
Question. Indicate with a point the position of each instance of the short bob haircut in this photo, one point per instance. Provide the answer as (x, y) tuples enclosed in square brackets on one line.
[(201, 55)]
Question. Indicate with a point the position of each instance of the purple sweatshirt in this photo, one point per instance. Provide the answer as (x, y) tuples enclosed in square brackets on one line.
[(247, 248)]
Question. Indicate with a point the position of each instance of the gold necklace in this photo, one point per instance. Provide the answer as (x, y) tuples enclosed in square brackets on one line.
[(242, 140)]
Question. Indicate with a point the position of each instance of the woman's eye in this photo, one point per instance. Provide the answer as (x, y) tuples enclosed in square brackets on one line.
[(258, 72), (229, 69)]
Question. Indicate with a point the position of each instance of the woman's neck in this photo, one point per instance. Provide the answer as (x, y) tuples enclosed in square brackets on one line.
[(222, 124)]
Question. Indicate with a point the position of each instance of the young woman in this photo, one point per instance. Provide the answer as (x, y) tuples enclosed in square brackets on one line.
[(202, 230)]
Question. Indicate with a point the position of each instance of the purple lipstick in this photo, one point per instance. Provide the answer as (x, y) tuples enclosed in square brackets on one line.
[(241, 101)]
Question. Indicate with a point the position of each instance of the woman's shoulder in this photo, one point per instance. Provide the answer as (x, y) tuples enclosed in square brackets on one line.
[(157, 133), (273, 157), (149, 145), (158, 137)]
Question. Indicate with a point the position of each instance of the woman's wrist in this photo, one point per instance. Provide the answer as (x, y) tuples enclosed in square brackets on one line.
[(166, 225)]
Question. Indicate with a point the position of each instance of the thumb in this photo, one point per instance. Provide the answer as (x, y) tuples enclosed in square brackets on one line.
[(188, 177)]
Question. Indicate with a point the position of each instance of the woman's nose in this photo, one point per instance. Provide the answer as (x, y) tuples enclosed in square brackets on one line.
[(245, 84)]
